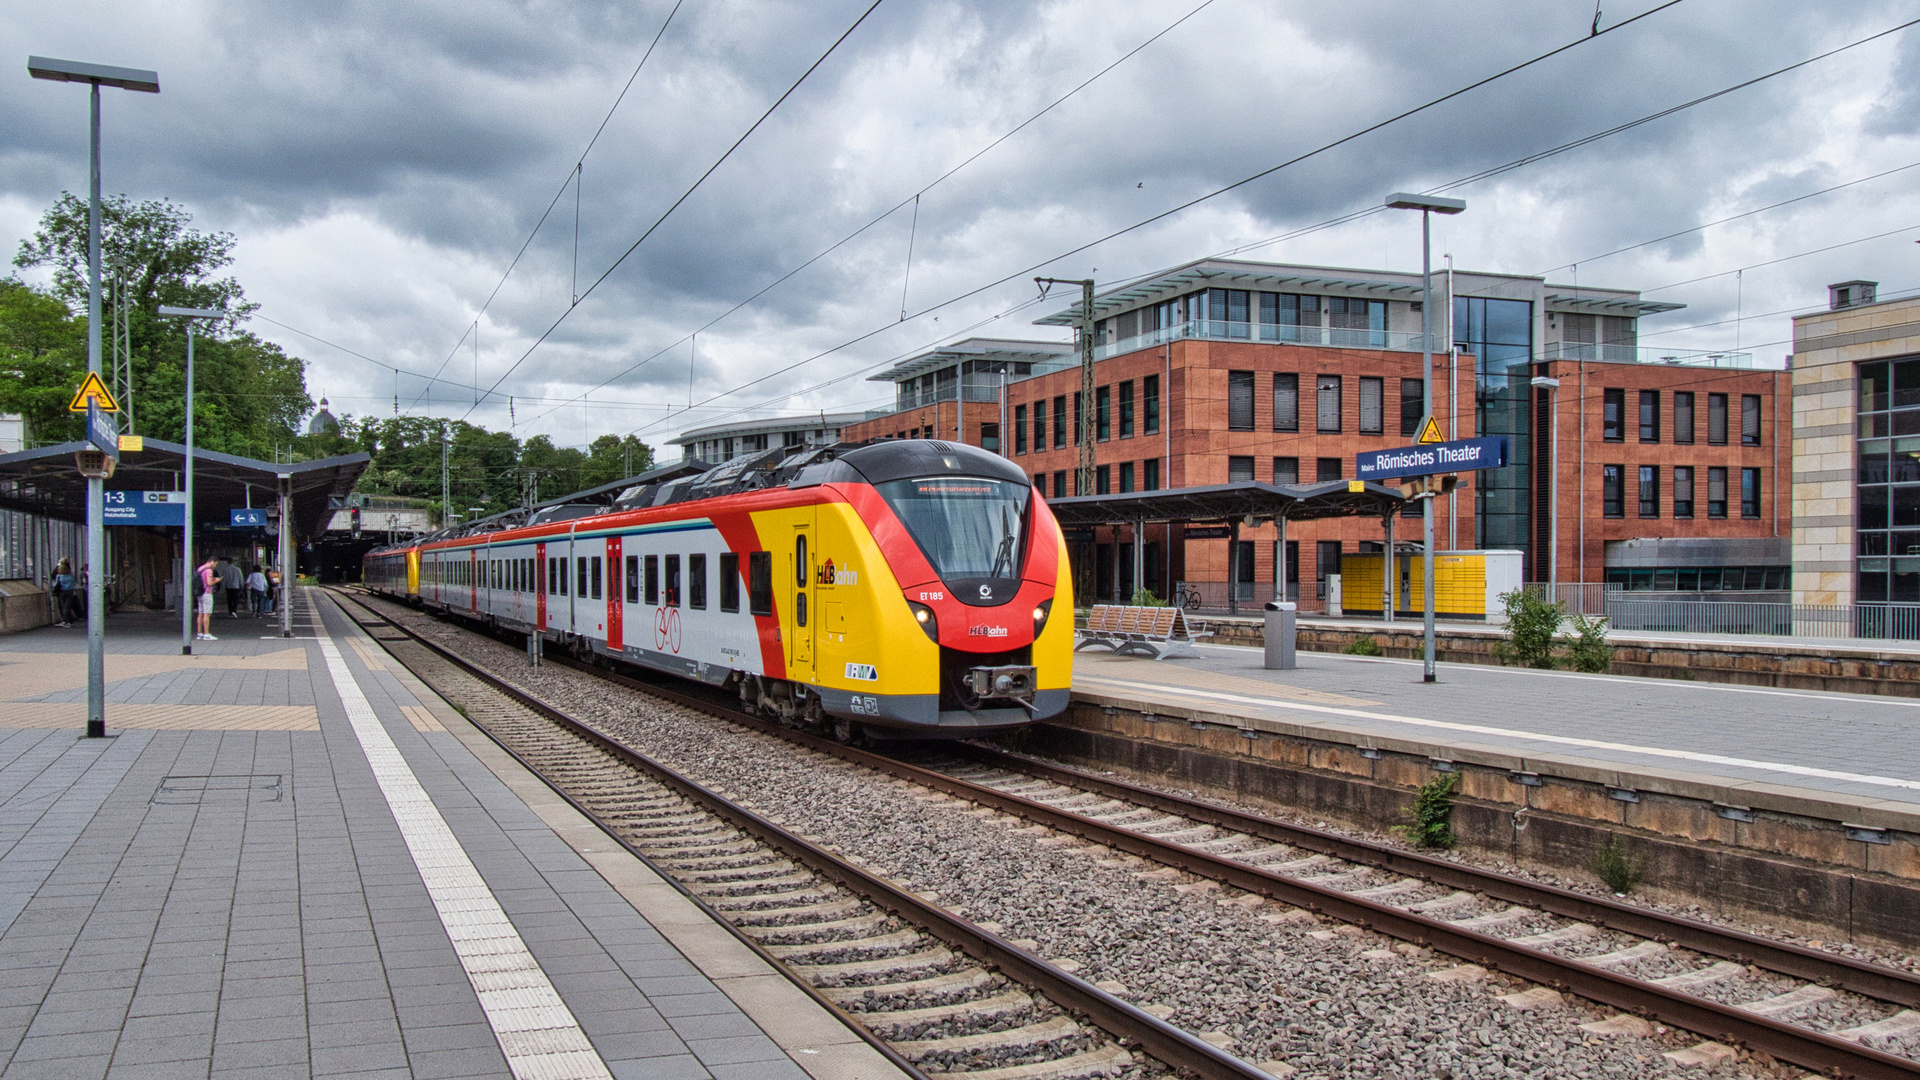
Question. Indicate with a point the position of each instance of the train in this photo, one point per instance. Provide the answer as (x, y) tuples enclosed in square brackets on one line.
[(903, 588)]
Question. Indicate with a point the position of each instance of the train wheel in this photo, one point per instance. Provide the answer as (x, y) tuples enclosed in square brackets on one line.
[(843, 731)]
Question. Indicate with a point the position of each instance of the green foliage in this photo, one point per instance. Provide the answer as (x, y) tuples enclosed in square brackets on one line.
[(1588, 649), (1430, 817), (1145, 598), (1364, 645), (1531, 625), (1620, 871), (43, 356)]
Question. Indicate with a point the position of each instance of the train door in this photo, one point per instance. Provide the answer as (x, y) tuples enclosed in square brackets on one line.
[(540, 575), (616, 597), (800, 613)]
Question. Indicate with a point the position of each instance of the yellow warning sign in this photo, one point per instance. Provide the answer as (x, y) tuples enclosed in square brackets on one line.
[(1430, 432), (92, 389), (132, 444), (1356, 485)]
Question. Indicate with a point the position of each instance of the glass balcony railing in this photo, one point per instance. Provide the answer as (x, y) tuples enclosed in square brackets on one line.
[(1276, 333), (1644, 354)]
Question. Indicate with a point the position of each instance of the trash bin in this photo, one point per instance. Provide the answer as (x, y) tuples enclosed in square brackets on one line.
[(1281, 628)]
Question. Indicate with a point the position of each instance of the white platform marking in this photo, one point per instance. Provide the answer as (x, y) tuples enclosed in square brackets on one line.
[(1513, 733), (536, 1031)]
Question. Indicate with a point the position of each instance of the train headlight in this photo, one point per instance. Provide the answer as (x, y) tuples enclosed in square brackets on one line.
[(1040, 612), (923, 615)]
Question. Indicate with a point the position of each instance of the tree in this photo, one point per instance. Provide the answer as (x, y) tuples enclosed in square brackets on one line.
[(43, 357)]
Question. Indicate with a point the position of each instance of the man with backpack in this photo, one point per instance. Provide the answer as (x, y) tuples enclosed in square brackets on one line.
[(64, 585)]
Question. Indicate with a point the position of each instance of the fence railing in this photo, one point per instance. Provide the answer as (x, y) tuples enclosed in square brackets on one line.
[(1897, 622)]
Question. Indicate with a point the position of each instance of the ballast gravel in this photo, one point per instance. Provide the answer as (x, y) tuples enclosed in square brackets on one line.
[(1328, 1000)]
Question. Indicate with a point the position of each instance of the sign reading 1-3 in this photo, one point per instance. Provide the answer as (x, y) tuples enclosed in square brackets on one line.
[(248, 519), (146, 507)]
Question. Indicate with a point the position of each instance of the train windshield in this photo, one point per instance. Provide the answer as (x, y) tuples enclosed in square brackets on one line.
[(967, 527)]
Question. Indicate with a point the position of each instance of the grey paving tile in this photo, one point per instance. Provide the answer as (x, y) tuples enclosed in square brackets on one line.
[(169, 1025), (707, 1002), (137, 1051), (678, 1067), (638, 1044), (77, 1068), (72, 1045), (370, 1055), (163, 1070), (278, 1052), (693, 1028), (783, 1069), (477, 1061), (237, 1029), (735, 1050)]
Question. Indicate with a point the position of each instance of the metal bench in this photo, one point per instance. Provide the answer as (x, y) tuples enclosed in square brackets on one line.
[(1158, 633)]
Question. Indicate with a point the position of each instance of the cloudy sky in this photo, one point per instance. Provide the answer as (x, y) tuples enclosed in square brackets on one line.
[(382, 166)]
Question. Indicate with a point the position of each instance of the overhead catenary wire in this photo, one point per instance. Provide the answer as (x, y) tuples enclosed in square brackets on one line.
[(895, 208), (684, 196)]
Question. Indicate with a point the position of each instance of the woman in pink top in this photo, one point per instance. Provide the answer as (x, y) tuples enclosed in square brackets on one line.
[(203, 603)]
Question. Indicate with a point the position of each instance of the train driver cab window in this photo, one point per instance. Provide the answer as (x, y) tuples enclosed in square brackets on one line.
[(653, 579), (596, 577), (633, 579), (729, 581), (697, 582), (760, 582), (673, 581)]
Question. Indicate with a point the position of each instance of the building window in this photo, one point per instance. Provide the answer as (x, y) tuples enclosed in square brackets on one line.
[(1683, 491), (1716, 492), (1716, 419), (1060, 483), (1126, 409), (697, 582), (1150, 475), (1749, 419), (1413, 405), (990, 437), (1749, 493), (1239, 470), (1373, 405), (1326, 563), (1649, 491), (1019, 429), (1613, 493), (1079, 421), (1150, 397), (1059, 421), (1126, 477), (1327, 407), (1327, 468), (1039, 425), (1613, 407), (760, 582), (1683, 417), (653, 579), (1286, 470), (1239, 401), (1649, 416), (729, 581), (1286, 402), (1103, 480), (1103, 413)]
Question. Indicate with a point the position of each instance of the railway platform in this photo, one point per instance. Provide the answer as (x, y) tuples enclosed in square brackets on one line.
[(290, 857)]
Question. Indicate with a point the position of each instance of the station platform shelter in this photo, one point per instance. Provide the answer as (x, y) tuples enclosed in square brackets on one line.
[(146, 506), (281, 863)]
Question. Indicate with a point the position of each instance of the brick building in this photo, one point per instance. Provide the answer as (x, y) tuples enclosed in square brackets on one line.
[(1226, 370)]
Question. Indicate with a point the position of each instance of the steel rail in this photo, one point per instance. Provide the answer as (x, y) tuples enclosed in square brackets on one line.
[(1171, 1045), (1800, 1045)]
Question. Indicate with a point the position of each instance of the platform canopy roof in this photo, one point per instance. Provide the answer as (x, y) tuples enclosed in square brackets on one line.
[(1226, 502), (45, 482)]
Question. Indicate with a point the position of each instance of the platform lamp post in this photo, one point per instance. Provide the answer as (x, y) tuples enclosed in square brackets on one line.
[(1428, 205), (95, 76), (1552, 387), (186, 536)]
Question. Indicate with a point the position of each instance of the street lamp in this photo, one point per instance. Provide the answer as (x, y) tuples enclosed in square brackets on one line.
[(186, 537), (1428, 205), (1552, 387), (95, 76)]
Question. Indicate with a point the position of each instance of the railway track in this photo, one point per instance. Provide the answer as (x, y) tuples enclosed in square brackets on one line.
[(1726, 985), (932, 991)]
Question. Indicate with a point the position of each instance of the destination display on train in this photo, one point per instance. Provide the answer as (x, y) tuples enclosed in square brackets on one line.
[(1460, 455)]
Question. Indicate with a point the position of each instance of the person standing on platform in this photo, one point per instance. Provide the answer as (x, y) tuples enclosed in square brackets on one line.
[(206, 580), (257, 591), (63, 588), (235, 582), (273, 590)]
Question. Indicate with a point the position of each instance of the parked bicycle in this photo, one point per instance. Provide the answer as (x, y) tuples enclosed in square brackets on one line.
[(1186, 596)]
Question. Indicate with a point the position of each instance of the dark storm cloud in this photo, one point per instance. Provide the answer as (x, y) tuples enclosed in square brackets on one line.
[(383, 163)]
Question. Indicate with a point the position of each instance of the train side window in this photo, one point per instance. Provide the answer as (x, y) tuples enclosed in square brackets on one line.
[(673, 581), (729, 581), (653, 579), (697, 581), (596, 577), (760, 582), (580, 576), (562, 575), (551, 587), (800, 561), (633, 579)]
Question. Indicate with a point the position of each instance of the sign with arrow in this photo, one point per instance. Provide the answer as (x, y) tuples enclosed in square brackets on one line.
[(93, 392)]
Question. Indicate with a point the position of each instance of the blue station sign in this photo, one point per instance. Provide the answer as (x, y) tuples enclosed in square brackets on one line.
[(146, 508), (1460, 455), (102, 430), (248, 519)]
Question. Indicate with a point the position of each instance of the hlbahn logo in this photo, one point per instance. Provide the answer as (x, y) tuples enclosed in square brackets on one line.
[(827, 574), (863, 672), (986, 631)]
